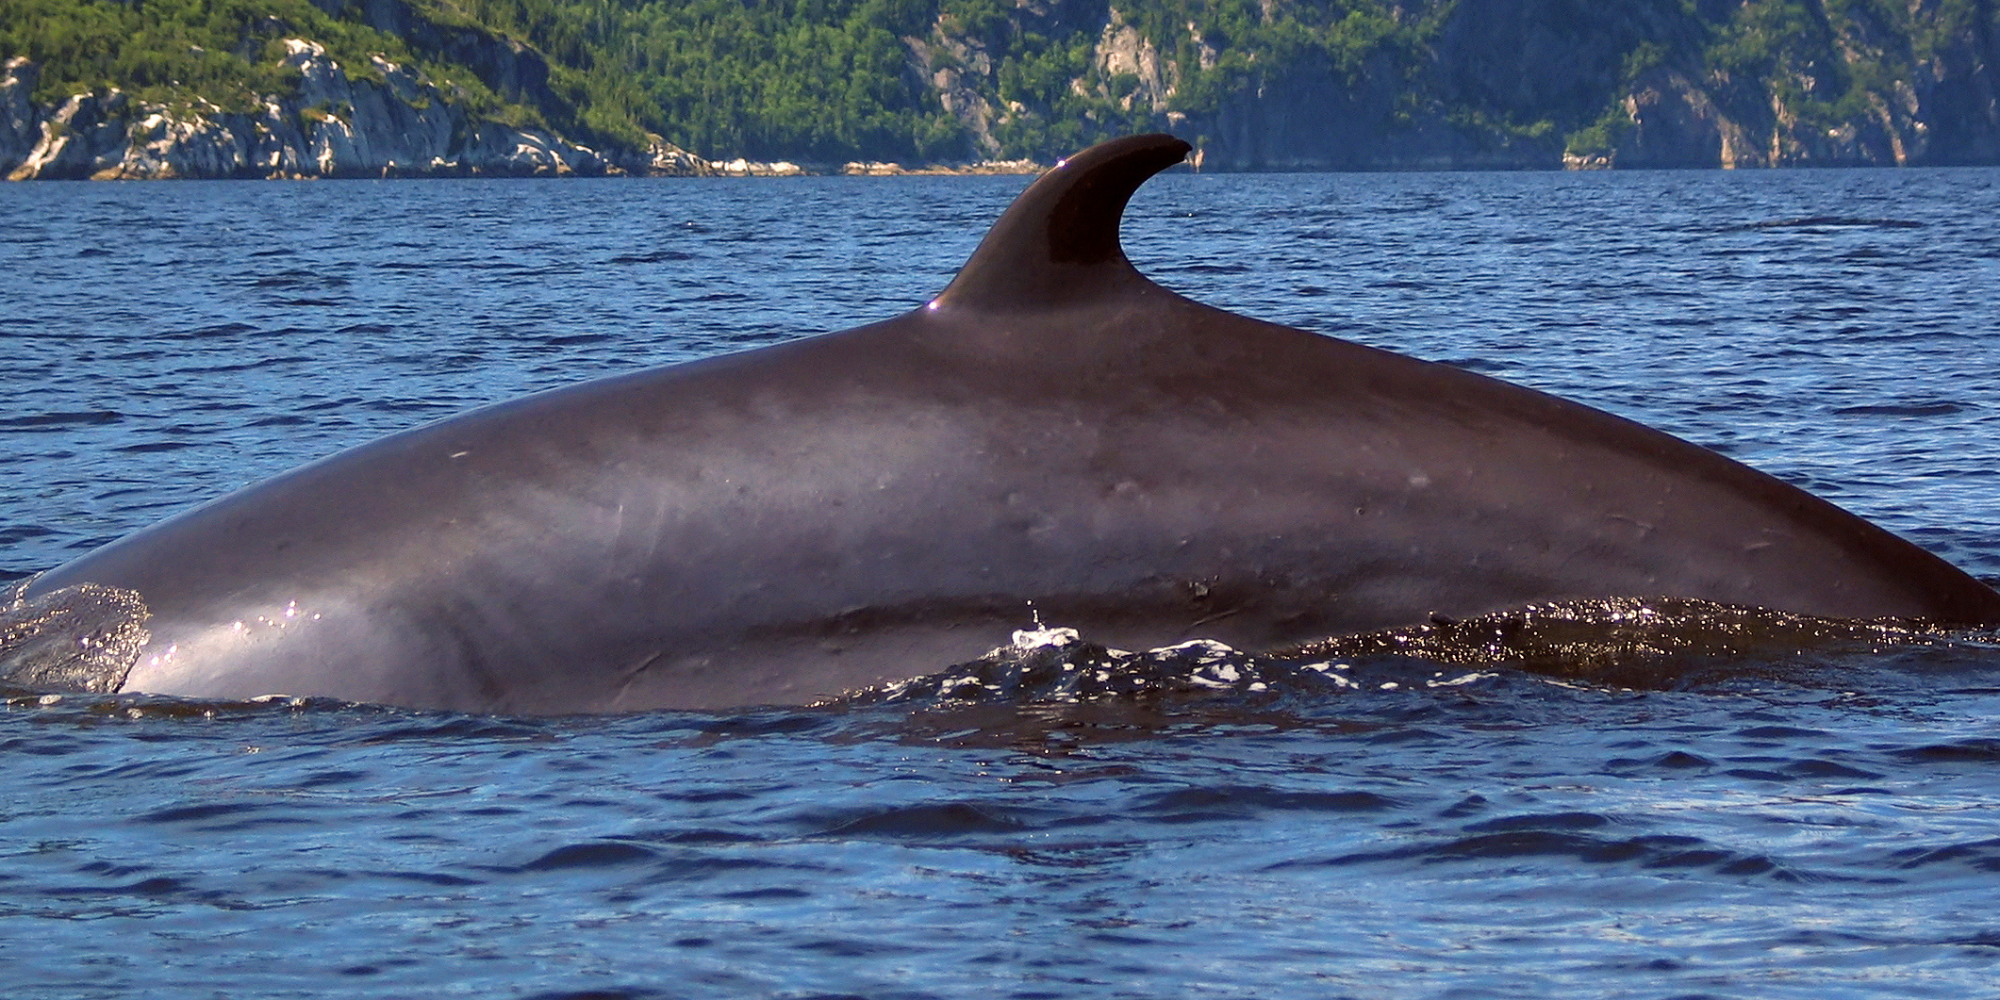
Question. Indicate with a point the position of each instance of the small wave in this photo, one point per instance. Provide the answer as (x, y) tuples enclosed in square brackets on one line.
[(1055, 666), (222, 816), (89, 707), (592, 854), (15, 533), (1184, 805), (245, 366), (1823, 222), (1634, 642), (60, 421), (928, 821), (659, 257), (1980, 856), (619, 992), (220, 330), (1938, 409), (1534, 839), (1622, 643), (1983, 750), (1208, 268), (284, 279)]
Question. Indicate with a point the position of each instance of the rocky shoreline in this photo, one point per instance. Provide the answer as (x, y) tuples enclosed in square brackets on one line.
[(389, 122), (337, 126)]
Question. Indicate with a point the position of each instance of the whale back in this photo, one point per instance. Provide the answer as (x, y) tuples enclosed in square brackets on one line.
[(1053, 435)]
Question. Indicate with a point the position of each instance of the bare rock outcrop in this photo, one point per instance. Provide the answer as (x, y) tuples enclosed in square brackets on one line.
[(392, 122), (20, 128)]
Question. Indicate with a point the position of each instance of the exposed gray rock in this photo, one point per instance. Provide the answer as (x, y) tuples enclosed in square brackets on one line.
[(190, 145), (955, 68), (19, 128), (333, 126), (82, 136), (664, 159), (1133, 67), (740, 167)]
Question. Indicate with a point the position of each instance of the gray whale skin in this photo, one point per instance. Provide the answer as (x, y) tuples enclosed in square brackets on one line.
[(786, 524)]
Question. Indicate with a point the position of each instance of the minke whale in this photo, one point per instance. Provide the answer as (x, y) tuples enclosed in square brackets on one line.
[(1053, 435)]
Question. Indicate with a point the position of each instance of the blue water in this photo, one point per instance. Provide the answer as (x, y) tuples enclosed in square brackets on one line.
[(1821, 823)]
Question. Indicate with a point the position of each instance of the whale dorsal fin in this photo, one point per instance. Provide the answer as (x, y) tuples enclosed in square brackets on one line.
[(1058, 242)]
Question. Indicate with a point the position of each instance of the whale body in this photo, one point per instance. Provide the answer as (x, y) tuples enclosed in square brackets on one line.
[(1053, 434)]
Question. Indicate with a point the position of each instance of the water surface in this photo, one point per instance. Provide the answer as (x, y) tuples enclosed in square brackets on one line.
[(1812, 823)]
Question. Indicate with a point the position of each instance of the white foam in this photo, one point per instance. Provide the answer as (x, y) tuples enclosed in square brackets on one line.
[(1039, 636), (1458, 681)]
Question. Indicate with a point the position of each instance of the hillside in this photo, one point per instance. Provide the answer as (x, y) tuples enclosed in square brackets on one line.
[(315, 87)]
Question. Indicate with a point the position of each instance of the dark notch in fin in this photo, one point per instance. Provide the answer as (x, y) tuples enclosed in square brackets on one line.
[(1058, 242)]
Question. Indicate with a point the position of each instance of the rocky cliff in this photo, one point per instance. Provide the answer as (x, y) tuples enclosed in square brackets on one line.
[(391, 123), (1859, 90)]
